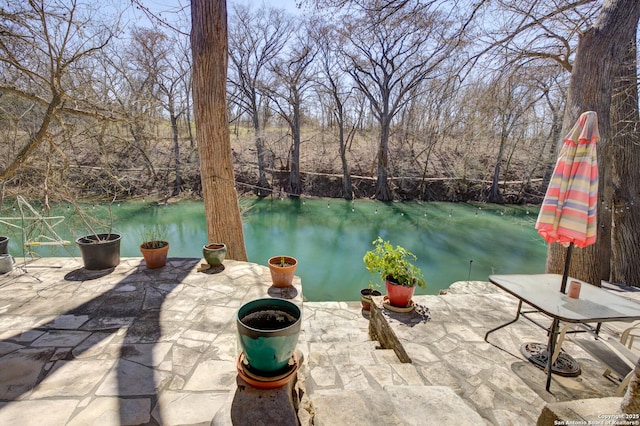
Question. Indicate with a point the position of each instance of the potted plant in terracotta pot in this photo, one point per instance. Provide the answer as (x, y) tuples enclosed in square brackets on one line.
[(282, 270), (154, 247), (394, 265)]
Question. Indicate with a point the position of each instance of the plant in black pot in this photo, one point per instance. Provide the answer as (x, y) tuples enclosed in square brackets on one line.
[(154, 247), (99, 250), (366, 294), (394, 266)]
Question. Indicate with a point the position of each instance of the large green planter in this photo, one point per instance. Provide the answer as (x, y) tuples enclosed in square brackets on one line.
[(100, 251), (268, 332)]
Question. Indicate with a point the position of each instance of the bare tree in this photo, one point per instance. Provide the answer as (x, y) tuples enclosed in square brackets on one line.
[(45, 52), (256, 38), (389, 58), (156, 58), (512, 98), (209, 44), (292, 81), (333, 80)]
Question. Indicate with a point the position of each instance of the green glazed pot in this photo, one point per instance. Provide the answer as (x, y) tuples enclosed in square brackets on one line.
[(214, 253), (268, 332)]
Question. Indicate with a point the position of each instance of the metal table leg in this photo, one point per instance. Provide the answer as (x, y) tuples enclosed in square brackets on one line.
[(505, 324), (551, 348)]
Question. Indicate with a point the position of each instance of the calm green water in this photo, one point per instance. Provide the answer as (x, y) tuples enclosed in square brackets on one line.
[(453, 242)]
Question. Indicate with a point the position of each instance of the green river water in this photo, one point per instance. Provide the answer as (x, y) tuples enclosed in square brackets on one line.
[(453, 242)]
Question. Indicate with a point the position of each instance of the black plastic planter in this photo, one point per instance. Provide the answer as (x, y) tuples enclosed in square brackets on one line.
[(4, 245), (100, 253)]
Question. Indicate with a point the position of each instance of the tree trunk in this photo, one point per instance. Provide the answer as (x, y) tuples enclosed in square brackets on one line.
[(209, 47), (177, 183), (600, 52), (494, 192), (187, 111), (295, 184), (264, 189), (347, 187), (35, 141), (625, 174), (383, 193)]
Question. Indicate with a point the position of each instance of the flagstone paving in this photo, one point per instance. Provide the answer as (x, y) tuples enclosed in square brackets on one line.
[(136, 346)]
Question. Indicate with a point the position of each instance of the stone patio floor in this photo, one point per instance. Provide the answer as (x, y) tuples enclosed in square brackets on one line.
[(136, 346)]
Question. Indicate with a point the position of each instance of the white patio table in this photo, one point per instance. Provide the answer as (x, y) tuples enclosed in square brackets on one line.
[(542, 291)]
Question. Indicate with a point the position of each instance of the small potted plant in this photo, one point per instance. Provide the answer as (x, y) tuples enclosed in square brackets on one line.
[(366, 294), (154, 247), (282, 269), (394, 265)]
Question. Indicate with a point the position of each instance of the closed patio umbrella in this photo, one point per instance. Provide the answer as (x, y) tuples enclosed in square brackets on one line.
[(569, 209)]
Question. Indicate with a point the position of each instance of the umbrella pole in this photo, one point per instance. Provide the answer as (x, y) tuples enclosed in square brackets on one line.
[(565, 274)]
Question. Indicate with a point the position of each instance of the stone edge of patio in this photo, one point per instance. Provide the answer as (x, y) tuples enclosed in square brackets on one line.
[(594, 411)]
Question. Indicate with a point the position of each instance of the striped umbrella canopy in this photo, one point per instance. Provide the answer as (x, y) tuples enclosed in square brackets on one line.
[(569, 209)]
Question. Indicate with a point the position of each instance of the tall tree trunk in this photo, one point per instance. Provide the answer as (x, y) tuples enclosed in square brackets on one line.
[(177, 183), (209, 47), (383, 193), (187, 110), (347, 187), (600, 52), (625, 174), (295, 184), (264, 189), (494, 192)]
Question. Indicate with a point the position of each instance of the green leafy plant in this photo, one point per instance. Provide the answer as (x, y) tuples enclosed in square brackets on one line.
[(393, 264), (154, 237)]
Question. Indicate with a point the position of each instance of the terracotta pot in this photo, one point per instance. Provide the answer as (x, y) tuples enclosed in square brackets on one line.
[(365, 297), (214, 253), (282, 276), (399, 295), (155, 257)]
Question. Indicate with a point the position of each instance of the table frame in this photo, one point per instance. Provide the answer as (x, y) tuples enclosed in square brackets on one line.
[(542, 292)]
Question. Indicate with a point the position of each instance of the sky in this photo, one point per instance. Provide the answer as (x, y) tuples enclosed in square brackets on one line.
[(169, 8)]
